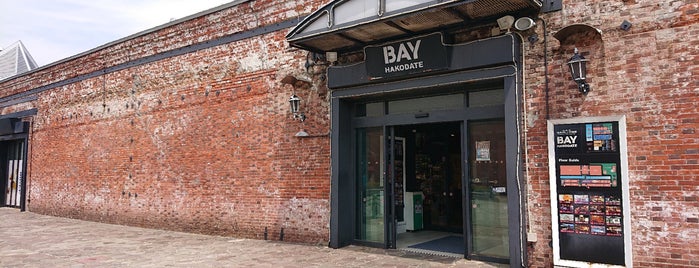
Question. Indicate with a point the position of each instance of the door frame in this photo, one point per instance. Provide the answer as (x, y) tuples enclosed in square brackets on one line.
[(21, 151), (18, 130), (343, 123)]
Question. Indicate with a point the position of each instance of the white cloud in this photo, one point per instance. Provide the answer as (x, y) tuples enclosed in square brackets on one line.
[(56, 29)]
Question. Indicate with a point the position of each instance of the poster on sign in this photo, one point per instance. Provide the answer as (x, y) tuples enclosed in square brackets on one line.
[(589, 192)]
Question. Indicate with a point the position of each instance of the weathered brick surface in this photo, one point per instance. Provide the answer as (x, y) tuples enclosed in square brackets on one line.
[(204, 142), (648, 75), (201, 142)]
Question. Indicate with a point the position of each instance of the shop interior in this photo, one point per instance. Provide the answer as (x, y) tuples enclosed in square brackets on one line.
[(430, 219)]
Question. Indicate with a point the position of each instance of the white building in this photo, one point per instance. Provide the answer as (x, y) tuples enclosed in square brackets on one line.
[(15, 60)]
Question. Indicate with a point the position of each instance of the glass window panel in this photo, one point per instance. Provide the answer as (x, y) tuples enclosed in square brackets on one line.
[(486, 98), (374, 109), (370, 192), (488, 179), (321, 23), (360, 110), (393, 5), (435, 103), (355, 10), (369, 109)]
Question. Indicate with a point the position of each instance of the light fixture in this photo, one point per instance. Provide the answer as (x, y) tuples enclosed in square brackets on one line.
[(578, 69), (524, 23), (505, 23), (295, 103), (331, 56), (313, 59), (302, 133)]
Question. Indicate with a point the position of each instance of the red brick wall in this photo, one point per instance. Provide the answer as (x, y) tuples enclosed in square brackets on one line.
[(202, 142), (647, 74)]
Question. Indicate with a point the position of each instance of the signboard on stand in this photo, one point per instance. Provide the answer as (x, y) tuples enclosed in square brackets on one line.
[(589, 192)]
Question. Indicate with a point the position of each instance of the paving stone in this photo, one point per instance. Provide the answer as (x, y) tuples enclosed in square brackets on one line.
[(33, 240)]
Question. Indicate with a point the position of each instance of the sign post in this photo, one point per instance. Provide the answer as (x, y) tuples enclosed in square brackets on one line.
[(589, 192)]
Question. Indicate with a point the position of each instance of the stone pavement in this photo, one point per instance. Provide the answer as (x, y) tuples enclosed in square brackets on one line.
[(32, 240)]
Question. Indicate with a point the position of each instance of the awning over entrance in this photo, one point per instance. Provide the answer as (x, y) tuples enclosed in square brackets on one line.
[(350, 24)]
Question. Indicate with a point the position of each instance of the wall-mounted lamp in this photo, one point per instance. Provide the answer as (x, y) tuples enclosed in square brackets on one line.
[(331, 56), (295, 103), (524, 23), (313, 58), (578, 70), (505, 23)]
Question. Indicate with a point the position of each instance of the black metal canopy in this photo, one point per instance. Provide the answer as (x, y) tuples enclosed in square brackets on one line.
[(350, 24)]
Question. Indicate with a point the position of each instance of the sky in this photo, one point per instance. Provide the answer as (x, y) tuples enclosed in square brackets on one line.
[(52, 30)]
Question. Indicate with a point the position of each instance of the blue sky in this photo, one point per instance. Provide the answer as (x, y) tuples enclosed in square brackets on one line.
[(56, 29)]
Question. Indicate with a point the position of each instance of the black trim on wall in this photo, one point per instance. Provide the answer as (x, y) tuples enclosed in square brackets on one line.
[(515, 203), (157, 57), (20, 114), (25, 158), (11, 125), (427, 82), (341, 202), (18, 101)]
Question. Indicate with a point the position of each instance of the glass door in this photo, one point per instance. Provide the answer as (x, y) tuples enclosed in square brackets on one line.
[(488, 190), (371, 192), (380, 181)]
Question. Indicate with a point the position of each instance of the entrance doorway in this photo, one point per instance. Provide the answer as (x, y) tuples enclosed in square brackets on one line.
[(433, 170), (12, 163), (438, 188), (434, 177)]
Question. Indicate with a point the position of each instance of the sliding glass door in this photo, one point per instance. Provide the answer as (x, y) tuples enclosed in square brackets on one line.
[(371, 191)]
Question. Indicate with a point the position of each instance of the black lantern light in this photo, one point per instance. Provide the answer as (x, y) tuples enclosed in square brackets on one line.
[(578, 69), (295, 103)]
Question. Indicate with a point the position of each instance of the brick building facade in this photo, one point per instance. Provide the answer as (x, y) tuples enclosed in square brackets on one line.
[(187, 126)]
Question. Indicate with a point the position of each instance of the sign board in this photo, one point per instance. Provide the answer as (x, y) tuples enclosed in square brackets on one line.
[(416, 55), (589, 192)]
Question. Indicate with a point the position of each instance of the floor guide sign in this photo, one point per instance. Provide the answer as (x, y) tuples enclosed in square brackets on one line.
[(589, 191)]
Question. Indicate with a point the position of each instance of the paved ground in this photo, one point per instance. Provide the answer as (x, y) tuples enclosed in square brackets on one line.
[(33, 240)]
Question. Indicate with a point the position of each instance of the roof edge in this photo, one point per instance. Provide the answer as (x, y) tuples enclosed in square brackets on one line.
[(132, 36)]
